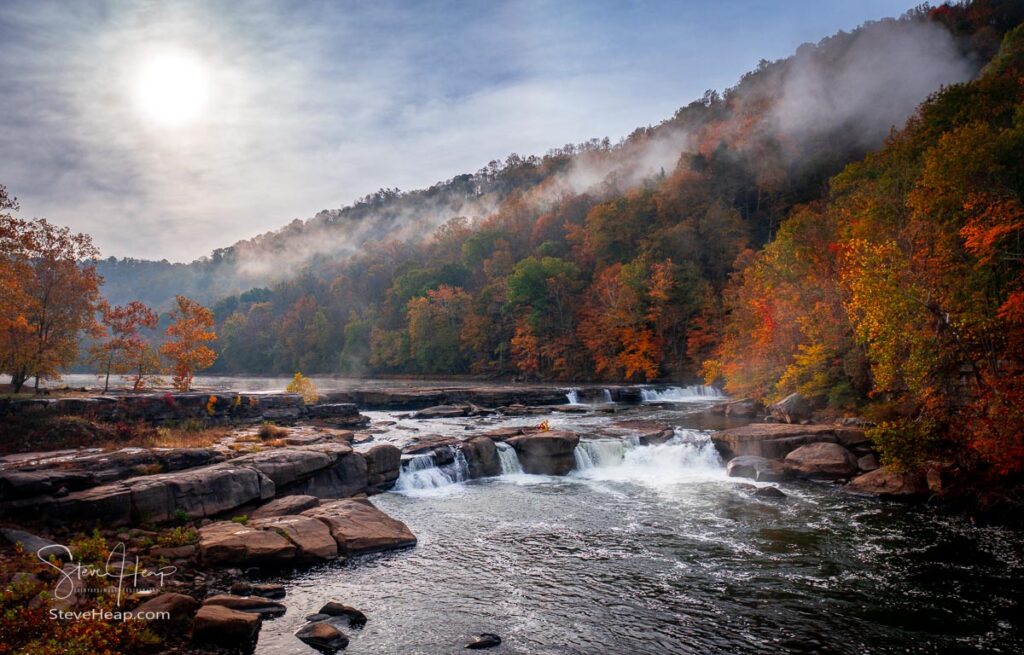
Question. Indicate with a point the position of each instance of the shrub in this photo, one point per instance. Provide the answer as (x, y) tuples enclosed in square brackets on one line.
[(241, 519), (906, 444), (270, 431), (179, 536), (300, 384)]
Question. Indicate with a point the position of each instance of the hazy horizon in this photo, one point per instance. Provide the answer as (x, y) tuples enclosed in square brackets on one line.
[(295, 112)]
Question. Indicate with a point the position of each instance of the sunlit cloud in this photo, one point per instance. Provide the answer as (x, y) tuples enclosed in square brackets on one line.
[(258, 114)]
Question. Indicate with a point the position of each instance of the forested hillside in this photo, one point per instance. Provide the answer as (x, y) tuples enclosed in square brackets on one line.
[(597, 261)]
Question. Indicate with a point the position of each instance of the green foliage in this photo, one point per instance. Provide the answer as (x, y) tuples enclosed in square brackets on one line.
[(90, 549), (906, 444), (241, 519), (177, 536)]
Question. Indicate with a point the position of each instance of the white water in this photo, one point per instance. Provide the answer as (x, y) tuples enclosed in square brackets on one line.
[(573, 396), (689, 394), (689, 456), (509, 460), (419, 473)]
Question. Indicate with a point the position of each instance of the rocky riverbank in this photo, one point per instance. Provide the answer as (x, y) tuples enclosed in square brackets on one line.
[(286, 498)]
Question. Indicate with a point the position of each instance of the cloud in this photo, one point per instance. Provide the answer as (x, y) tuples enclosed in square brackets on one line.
[(315, 104)]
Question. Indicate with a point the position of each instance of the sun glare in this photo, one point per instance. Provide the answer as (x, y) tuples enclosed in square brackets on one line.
[(171, 88)]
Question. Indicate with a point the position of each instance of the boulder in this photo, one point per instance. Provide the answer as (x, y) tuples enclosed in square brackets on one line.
[(546, 453), (254, 604), (223, 626), (741, 408), (346, 477), (311, 537), (757, 468), (776, 440), (201, 492), (177, 606), (794, 408), (285, 505), (232, 544), (355, 617), (286, 465), (322, 636), (268, 590), (482, 457), (822, 460), (35, 545), (768, 492), (888, 483), (359, 527), (867, 463), (383, 464), (484, 640), (443, 411)]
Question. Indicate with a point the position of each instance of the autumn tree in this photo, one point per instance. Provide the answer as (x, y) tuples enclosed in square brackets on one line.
[(435, 323), (122, 347), (189, 332), (50, 295)]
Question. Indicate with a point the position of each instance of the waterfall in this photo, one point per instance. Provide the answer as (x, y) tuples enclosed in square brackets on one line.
[(602, 452), (688, 456), (419, 472), (509, 459), (692, 393), (574, 397)]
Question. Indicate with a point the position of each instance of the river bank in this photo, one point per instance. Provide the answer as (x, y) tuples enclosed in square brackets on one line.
[(622, 503)]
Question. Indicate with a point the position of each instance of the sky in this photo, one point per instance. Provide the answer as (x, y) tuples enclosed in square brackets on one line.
[(168, 129)]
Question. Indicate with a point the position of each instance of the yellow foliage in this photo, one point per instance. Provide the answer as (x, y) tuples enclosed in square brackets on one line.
[(302, 385)]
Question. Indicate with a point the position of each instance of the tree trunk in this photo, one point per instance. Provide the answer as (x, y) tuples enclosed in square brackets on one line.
[(18, 380)]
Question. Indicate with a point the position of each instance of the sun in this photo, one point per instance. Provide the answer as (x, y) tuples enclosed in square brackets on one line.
[(171, 89)]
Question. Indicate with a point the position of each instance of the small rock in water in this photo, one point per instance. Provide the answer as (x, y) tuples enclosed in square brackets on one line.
[(769, 492), (356, 619), (241, 589), (322, 636), (484, 640), (313, 618)]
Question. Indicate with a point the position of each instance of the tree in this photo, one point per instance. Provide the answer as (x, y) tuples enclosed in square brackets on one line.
[(123, 349), (190, 330), (435, 322), (49, 295), (302, 385)]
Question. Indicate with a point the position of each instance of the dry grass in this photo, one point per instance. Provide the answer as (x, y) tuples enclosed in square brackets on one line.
[(270, 431)]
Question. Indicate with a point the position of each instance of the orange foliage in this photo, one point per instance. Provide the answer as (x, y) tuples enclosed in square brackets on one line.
[(191, 330)]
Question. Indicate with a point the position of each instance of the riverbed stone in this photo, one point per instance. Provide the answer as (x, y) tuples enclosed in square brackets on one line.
[(889, 483), (868, 463), (355, 617), (228, 543), (482, 457), (776, 440), (285, 505), (311, 537), (220, 625), (484, 640), (177, 606), (253, 604), (822, 460), (34, 544), (757, 468), (546, 453), (794, 408), (359, 527), (383, 464), (322, 636), (346, 477)]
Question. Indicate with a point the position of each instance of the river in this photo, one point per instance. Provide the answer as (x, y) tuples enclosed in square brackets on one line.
[(653, 549)]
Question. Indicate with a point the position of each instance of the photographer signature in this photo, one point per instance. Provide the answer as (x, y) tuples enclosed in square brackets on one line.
[(117, 567)]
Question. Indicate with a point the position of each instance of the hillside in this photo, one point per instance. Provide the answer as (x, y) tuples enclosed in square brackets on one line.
[(772, 140)]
